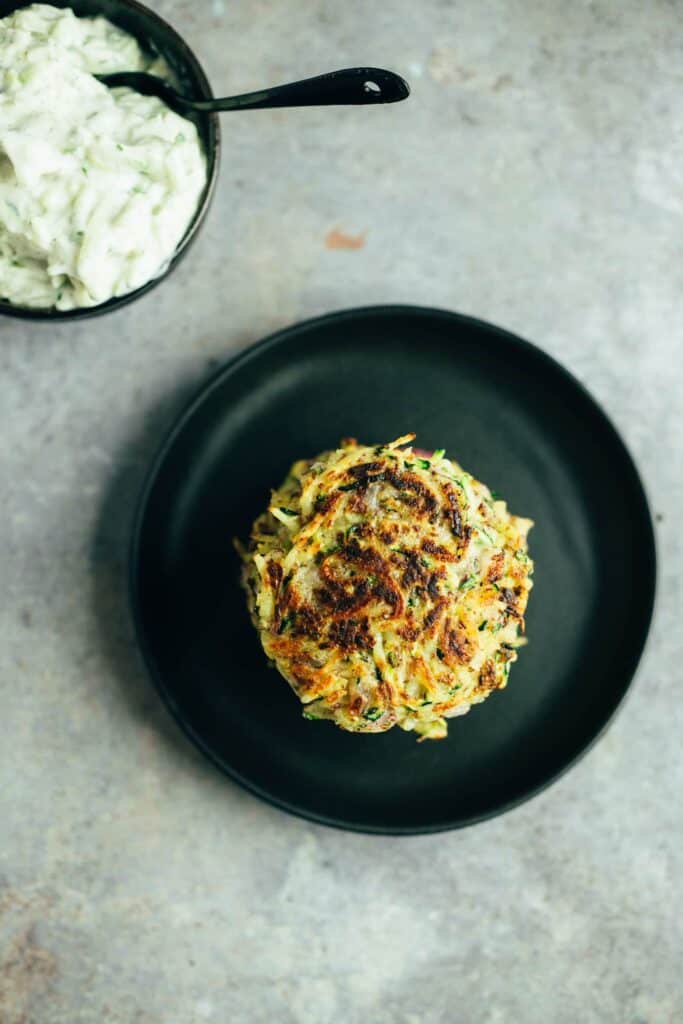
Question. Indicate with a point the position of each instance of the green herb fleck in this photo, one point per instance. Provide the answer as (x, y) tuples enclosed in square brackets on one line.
[(372, 714), (440, 655), (288, 511), (439, 453), (119, 147), (483, 625), (348, 487), (426, 703), (468, 583), (495, 495), (424, 463), (408, 465)]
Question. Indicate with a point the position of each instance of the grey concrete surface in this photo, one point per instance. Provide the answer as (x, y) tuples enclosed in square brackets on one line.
[(534, 179)]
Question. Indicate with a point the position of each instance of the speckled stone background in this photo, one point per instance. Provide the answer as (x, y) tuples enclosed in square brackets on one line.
[(534, 179)]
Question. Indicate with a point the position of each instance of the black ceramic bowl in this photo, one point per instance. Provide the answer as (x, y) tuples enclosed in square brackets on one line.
[(154, 34)]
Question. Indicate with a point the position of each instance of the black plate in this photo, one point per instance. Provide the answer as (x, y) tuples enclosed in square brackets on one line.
[(510, 415)]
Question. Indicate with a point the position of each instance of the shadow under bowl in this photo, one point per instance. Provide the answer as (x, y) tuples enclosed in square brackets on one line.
[(157, 36)]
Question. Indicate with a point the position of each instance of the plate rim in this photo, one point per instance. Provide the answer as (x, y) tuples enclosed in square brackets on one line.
[(202, 393)]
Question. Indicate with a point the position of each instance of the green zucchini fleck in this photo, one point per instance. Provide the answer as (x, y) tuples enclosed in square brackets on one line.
[(372, 714), (468, 583)]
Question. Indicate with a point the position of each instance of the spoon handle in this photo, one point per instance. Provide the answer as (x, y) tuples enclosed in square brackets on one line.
[(352, 85)]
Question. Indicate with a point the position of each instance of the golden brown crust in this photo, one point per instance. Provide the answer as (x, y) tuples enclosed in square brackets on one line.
[(385, 586)]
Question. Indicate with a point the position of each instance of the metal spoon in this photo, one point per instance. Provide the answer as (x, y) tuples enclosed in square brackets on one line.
[(352, 85)]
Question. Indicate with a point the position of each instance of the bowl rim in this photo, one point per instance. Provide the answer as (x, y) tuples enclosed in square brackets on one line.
[(213, 156)]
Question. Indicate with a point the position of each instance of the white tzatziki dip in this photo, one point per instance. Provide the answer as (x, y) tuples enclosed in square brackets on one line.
[(97, 187)]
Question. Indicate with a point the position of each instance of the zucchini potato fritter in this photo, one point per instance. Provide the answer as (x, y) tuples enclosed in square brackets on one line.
[(388, 588)]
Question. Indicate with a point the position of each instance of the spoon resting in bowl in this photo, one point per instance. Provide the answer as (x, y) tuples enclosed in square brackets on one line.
[(349, 86)]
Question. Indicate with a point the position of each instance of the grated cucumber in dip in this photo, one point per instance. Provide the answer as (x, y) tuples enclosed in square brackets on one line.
[(97, 186)]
